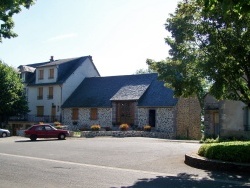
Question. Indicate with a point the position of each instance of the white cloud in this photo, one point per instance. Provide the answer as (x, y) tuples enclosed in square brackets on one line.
[(62, 37)]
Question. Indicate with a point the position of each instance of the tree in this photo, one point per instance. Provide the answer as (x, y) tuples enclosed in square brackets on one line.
[(144, 71), (7, 9), (209, 51), (12, 98), (240, 7)]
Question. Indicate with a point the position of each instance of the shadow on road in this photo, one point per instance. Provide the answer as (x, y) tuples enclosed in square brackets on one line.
[(184, 180), (39, 140)]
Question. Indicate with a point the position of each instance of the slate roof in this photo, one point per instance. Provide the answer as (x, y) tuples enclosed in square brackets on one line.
[(101, 91), (65, 68)]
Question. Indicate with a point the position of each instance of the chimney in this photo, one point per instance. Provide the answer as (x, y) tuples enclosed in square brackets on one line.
[(51, 58)]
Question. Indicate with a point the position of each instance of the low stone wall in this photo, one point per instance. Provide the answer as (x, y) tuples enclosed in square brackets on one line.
[(152, 134)]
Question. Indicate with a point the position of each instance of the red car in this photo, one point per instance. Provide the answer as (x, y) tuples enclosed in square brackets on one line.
[(45, 131)]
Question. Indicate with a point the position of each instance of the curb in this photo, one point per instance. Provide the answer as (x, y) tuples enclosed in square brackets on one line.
[(197, 161)]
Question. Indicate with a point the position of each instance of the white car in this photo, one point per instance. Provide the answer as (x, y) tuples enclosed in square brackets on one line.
[(4, 133)]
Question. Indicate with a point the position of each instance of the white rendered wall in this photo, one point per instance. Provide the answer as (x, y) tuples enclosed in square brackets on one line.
[(87, 69)]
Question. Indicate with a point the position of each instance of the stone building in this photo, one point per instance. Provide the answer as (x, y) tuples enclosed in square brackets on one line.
[(226, 118), (137, 100)]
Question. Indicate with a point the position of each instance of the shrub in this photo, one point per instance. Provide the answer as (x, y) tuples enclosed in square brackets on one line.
[(59, 126), (210, 140), (147, 128), (95, 127), (57, 123), (227, 151), (124, 127)]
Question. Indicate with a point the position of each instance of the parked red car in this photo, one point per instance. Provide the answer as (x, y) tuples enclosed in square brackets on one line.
[(45, 131)]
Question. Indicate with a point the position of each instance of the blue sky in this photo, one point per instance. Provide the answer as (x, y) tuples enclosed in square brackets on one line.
[(119, 34)]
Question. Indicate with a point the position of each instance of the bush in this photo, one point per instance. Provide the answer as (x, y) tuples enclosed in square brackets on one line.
[(227, 151), (210, 140), (57, 123), (147, 128), (124, 127), (95, 127), (59, 127)]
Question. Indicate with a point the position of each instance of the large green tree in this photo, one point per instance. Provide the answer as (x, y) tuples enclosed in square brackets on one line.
[(209, 50), (12, 98), (7, 9)]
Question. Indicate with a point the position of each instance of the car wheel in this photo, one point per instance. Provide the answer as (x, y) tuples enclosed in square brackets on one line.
[(4, 134), (33, 137), (61, 136)]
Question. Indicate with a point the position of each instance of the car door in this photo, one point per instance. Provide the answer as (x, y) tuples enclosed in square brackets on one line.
[(40, 131), (50, 132)]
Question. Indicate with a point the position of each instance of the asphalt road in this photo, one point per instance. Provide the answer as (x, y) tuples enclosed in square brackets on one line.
[(105, 162)]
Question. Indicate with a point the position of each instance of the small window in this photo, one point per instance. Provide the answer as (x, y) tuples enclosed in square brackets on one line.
[(40, 93), (23, 76), (51, 73), (75, 113), (93, 114), (41, 73), (50, 96)]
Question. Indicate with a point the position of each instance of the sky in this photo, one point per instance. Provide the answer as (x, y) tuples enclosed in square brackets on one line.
[(119, 34)]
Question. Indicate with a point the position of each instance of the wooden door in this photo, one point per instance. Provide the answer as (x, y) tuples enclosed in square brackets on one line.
[(125, 113)]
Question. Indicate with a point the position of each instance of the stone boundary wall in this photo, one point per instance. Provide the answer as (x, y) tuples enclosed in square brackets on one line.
[(152, 134)]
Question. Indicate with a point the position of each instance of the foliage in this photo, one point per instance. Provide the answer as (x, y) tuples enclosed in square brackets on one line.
[(59, 126), (124, 127), (210, 140), (145, 71), (57, 123), (12, 99), (240, 7), (227, 151), (208, 52), (7, 10), (147, 128), (95, 127)]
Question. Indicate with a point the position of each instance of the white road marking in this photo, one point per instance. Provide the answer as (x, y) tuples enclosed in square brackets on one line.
[(122, 169)]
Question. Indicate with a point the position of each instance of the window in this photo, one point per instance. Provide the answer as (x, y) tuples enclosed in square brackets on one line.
[(75, 113), (51, 73), (48, 128), (40, 93), (93, 113), (40, 111), (40, 76), (50, 96), (23, 76)]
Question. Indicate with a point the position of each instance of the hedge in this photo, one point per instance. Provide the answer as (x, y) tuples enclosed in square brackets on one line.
[(227, 151)]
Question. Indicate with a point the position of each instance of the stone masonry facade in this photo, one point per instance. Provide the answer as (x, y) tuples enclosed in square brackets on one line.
[(164, 118), (182, 121), (188, 121)]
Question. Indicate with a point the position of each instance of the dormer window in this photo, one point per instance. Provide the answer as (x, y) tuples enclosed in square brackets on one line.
[(51, 73), (41, 73), (23, 75)]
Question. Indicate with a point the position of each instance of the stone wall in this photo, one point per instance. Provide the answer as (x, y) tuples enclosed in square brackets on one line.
[(188, 122), (104, 118), (88, 134), (165, 119)]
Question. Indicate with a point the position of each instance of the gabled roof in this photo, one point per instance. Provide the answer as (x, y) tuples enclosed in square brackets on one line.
[(157, 95), (65, 67), (101, 91)]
